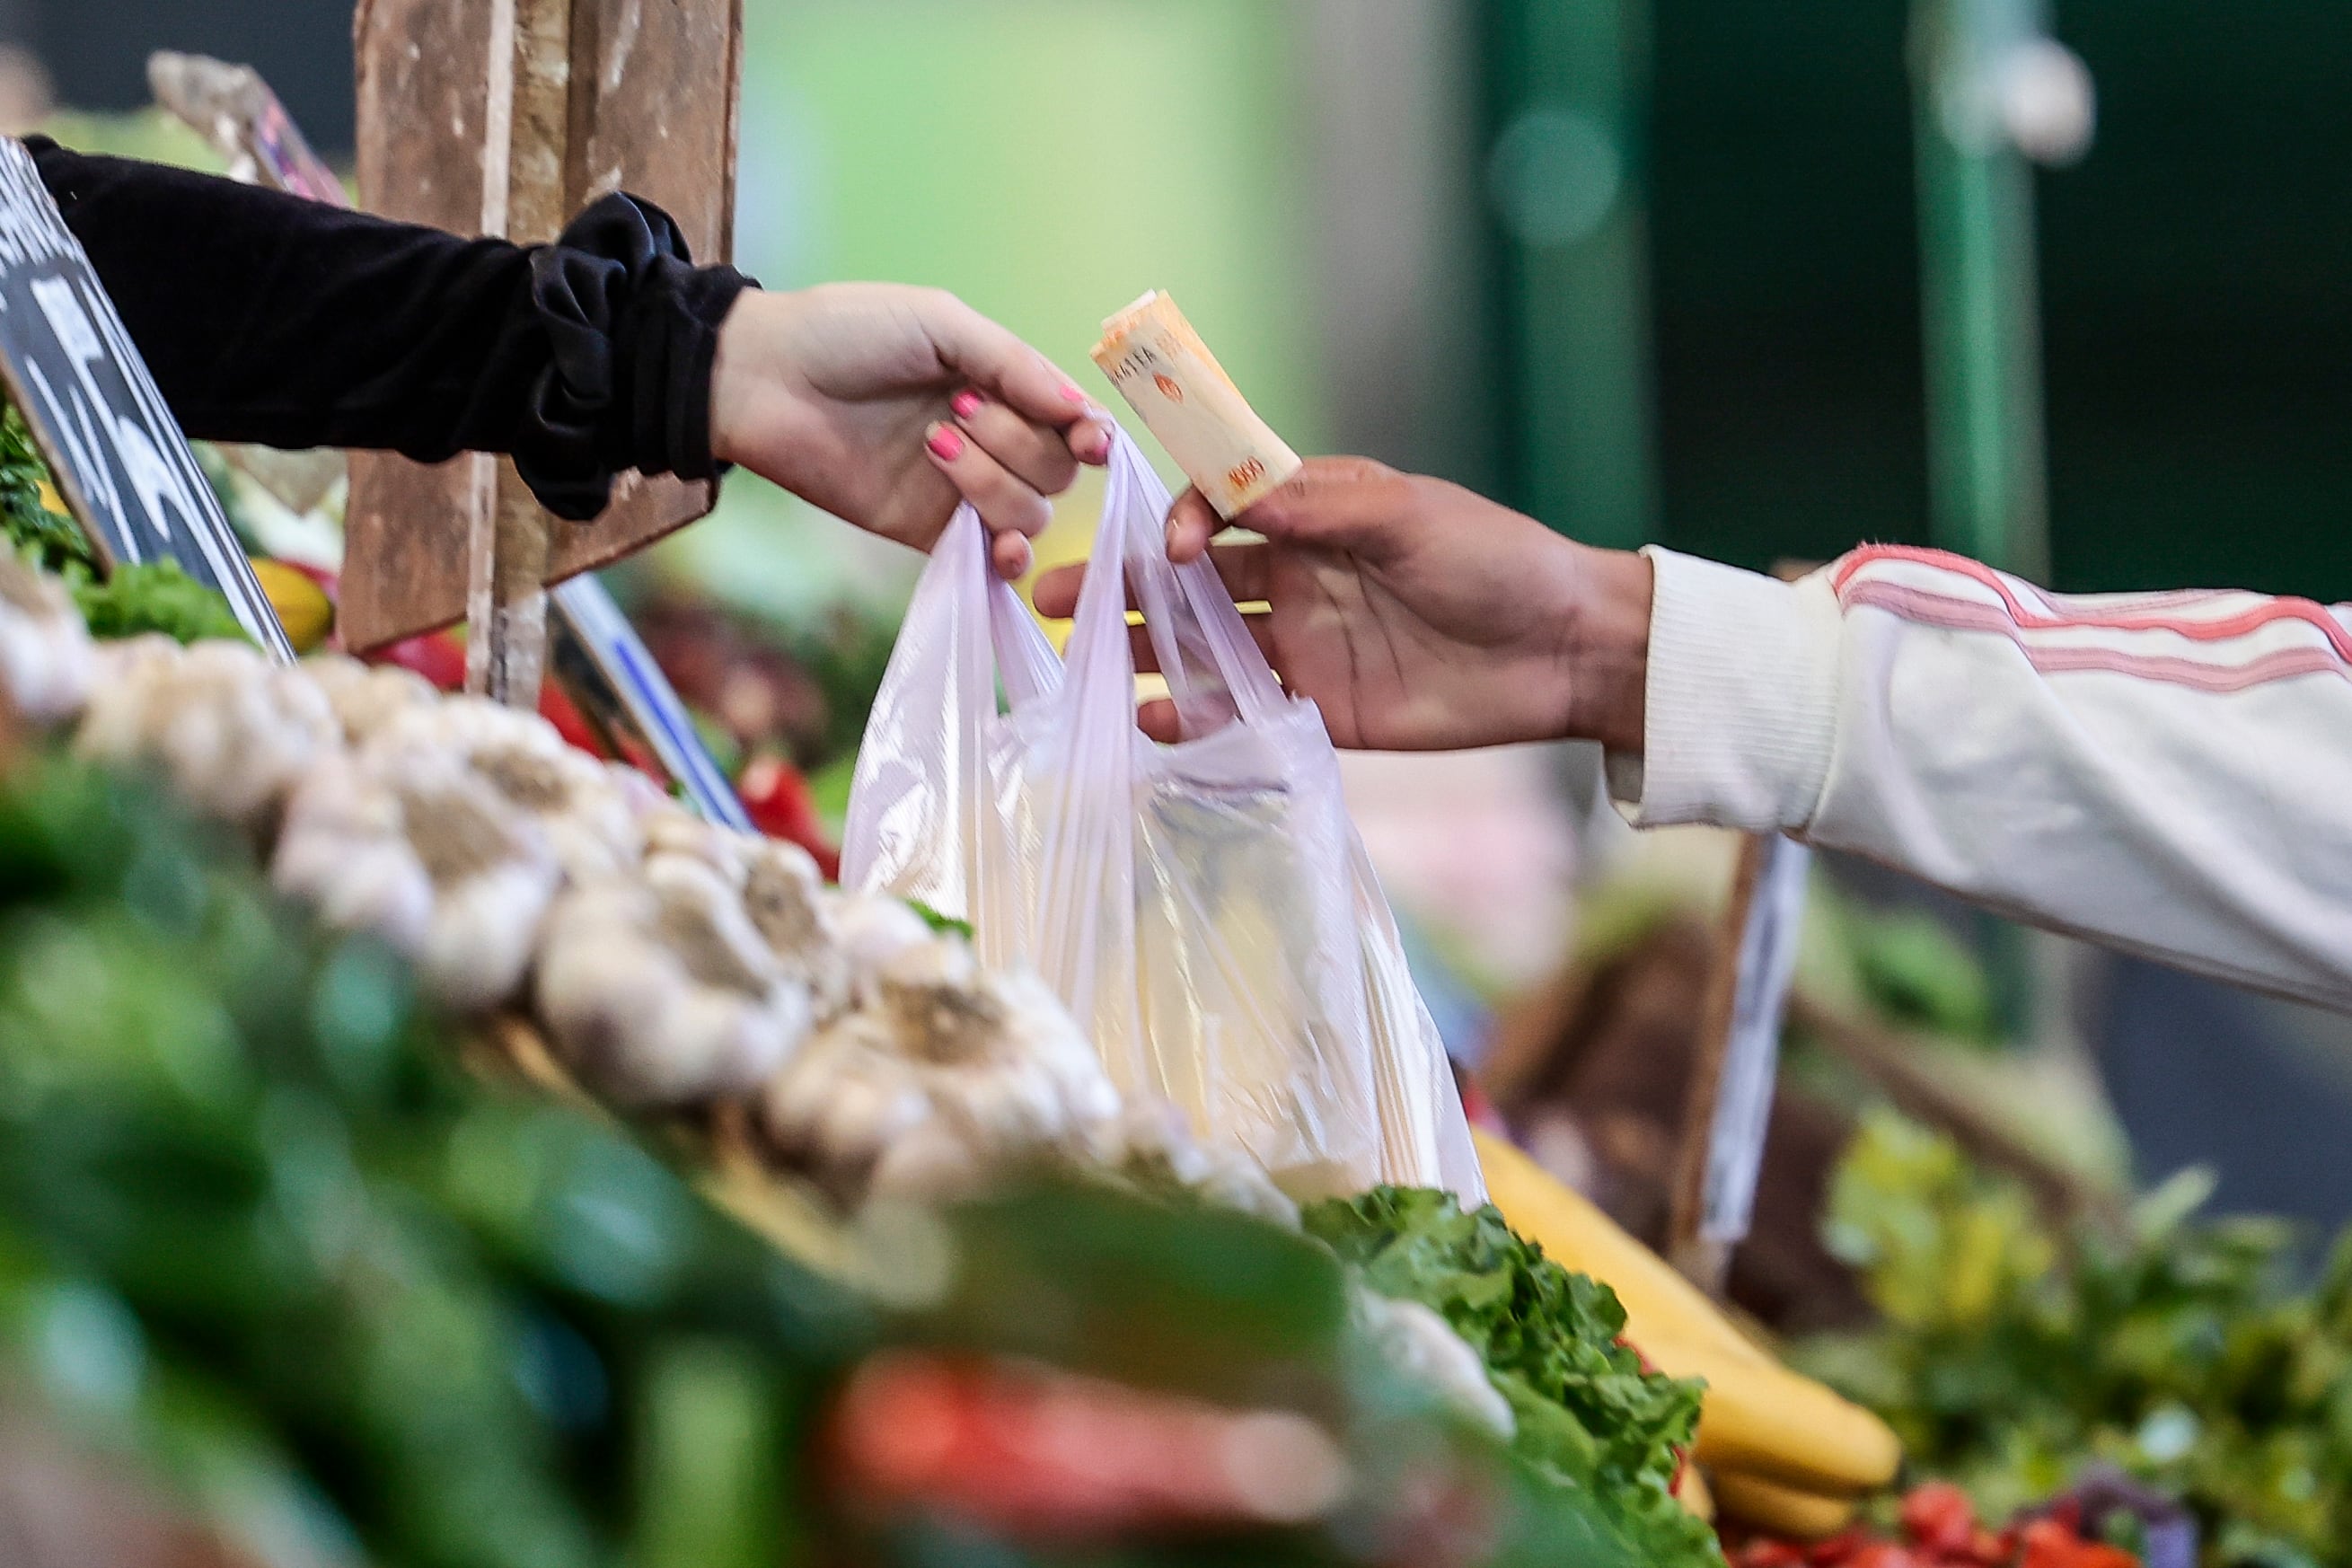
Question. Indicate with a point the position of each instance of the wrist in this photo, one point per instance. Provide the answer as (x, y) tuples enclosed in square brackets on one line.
[(727, 381), (1608, 647)]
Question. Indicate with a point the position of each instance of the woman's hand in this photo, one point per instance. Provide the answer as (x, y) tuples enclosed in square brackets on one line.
[(1419, 616), (886, 404)]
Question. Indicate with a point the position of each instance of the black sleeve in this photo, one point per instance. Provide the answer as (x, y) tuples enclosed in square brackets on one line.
[(273, 320)]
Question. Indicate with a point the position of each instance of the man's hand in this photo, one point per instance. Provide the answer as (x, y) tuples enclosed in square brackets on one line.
[(886, 404), (1419, 616)]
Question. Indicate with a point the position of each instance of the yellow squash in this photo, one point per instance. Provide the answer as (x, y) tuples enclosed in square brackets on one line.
[(1692, 1491), (1757, 1417), (1785, 1512), (302, 606)]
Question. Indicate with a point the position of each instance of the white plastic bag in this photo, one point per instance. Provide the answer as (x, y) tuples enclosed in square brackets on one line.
[(1205, 908)]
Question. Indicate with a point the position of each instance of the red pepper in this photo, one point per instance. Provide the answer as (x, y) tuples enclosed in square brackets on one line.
[(438, 656), (1768, 1554), (2048, 1543), (1040, 1454), (1938, 1517), (777, 799), (1837, 1549), (555, 705), (1883, 1555), (1987, 1549)]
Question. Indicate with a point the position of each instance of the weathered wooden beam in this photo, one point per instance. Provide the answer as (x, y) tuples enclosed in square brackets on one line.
[(592, 96)]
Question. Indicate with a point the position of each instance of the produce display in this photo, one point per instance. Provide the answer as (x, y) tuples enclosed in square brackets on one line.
[(1760, 1423), (2196, 1355), (710, 986), (233, 1119), (263, 1239), (1938, 1527)]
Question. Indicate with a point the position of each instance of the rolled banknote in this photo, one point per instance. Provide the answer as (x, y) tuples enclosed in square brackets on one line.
[(1167, 373)]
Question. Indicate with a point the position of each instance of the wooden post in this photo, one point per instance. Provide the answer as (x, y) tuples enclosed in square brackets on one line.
[(528, 113), (1700, 1260), (1728, 1102), (506, 117)]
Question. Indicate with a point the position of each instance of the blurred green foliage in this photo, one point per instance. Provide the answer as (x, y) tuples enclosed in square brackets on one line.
[(258, 1230), (2185, 1350)]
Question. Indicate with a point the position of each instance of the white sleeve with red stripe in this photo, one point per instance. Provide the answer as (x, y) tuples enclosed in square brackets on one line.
[(2171, 773)]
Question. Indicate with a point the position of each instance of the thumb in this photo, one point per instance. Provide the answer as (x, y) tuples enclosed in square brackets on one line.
[(1344, 503)]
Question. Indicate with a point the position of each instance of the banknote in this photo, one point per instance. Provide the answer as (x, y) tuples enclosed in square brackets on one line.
[(1167, 373)]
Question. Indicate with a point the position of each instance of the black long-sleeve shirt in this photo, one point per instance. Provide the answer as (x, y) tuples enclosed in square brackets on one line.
[(268, 319)]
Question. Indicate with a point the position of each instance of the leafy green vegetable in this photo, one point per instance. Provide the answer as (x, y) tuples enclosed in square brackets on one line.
[(2181, 1348), (155, 597), (946, 925), (49, 540), (146, 596), (1588, 1416), (1918, 974)]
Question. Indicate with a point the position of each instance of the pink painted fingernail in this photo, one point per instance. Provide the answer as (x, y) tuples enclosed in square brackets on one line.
[(1097, 446), (946, 443), (965, 402), (1070, 393)]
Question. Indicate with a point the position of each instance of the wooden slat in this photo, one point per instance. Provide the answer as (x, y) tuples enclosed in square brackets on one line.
[(651, 105)]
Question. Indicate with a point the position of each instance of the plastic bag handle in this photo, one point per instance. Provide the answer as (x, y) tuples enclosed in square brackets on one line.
[(1211, 664)]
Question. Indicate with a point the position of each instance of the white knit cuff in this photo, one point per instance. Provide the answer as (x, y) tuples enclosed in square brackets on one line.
[(1742, 699)]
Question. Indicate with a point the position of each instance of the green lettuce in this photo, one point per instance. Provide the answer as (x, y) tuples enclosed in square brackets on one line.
[(1590, 1418)]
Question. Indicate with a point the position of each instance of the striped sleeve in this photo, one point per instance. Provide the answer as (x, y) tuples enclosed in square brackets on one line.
[(2171, 773)]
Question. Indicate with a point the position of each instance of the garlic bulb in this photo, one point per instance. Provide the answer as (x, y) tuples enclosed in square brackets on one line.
[(367, 697), (964, 1020), (234, 732), (1151, 1143), (45, 663), (660, 992), (849, 1094), (423, 852), (1416, 1340), (873, 928), (947, 1072), (589, 819), (837, 942), (784, 894), (671, 830)]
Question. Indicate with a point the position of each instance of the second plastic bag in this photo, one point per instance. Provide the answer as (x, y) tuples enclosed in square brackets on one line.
[(1205, 908)]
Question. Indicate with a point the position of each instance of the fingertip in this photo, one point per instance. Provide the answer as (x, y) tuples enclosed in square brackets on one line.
[(1012, 556), (1190, 521), (1157, 719), (1055, 593), (1089, 439)]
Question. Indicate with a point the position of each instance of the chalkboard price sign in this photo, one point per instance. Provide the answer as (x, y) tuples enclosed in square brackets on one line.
[(119, 462)]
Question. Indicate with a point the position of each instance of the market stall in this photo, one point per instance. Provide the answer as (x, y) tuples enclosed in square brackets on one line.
[(426, 1138)]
